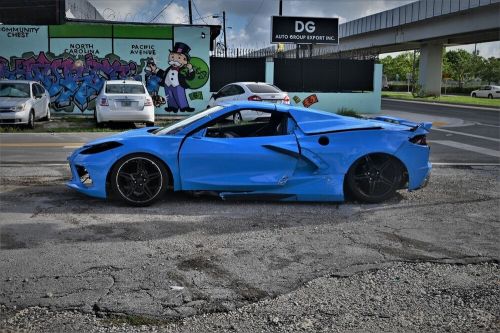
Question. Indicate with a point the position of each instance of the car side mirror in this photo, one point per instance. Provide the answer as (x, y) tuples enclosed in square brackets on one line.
[(215, 95), (37, 96)]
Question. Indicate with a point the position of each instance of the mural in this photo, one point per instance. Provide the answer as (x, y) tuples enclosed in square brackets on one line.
[(69, 81), (73, 82), (74, 60)]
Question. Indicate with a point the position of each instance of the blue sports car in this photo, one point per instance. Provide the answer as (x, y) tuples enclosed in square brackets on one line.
[(287, 153)]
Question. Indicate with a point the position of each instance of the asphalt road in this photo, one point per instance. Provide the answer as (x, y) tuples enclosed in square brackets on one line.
[(186, 256), (460, 135)]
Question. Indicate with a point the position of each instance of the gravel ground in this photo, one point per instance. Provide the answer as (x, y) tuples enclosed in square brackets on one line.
[(429, 297)]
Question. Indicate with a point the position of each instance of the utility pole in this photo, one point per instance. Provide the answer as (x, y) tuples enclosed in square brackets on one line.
[(281, 8), (190, 12), (224, 29)]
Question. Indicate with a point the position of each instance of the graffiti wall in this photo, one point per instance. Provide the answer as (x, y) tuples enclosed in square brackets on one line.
[(74, 60)]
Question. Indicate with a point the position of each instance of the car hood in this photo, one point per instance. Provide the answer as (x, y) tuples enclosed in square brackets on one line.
[(123, 135), (7, 102)]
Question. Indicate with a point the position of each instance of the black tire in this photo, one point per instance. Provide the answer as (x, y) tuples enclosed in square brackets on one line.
[(139, 179), (237, 118), (474, 95), (150, 124), (374, 178), (490, 96), (31, 120)]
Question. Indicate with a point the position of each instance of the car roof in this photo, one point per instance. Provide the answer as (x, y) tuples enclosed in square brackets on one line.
[(124, 82), (249, 82)]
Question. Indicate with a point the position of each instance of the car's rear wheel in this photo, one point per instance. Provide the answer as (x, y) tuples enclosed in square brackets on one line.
[(374, 178), (139, 179), (474, 95), (237, 118)]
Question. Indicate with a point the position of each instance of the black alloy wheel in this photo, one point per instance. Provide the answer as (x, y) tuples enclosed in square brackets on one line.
[(474, 95), (139, 179), (374, 178)]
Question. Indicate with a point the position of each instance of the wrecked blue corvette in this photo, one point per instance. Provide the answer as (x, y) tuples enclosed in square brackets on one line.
[(288, 153)]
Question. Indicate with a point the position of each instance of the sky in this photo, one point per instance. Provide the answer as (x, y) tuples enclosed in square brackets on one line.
[(248, 21)]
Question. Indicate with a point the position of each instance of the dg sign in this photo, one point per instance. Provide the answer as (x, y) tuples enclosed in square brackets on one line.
[(304, 30)]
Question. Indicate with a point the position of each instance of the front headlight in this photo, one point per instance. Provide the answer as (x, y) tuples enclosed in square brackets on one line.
[(19, 107), (100, 147)]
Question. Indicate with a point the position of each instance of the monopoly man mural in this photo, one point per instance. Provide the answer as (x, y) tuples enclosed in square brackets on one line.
[(72, 61), (174, 78)]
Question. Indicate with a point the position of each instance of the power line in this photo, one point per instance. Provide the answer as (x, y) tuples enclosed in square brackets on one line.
[(196, 8), (161, 11), (258, 9)]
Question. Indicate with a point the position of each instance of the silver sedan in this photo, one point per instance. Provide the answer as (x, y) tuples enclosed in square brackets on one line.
[(23, 102)]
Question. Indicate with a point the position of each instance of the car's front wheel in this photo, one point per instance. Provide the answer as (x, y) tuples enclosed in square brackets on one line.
[(31, 120), (374, 178), (490, 96), (237, 118), (474, 95), (139, 179)]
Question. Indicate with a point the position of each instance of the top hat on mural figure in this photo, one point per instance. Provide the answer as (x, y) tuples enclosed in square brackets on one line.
[(181, 48)]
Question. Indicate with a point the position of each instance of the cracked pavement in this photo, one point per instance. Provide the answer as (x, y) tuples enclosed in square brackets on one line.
[(186, 256)]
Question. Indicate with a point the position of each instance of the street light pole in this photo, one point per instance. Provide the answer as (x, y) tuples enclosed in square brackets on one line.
[(224, 29), (190, 13)]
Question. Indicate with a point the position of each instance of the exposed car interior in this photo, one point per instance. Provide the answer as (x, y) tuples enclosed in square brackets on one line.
[(274, 125)]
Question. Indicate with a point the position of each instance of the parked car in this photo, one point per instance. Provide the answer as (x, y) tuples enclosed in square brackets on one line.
[(294, 154), (487, 91), (124, 101), (23, 102), (249, 91)]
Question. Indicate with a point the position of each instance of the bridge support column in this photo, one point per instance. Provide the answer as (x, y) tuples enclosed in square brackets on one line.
[(430, 68)]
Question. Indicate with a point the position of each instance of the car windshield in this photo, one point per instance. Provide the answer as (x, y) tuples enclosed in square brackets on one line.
[(124, 89), (179, 126), (263, 88), (14, 89)]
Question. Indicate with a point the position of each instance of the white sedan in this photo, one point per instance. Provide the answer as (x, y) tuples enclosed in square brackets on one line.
[(124, 101), (23, 102), (249, 91), (487, 91)]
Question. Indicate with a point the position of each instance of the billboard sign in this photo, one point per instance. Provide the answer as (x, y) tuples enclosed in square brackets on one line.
[(304, 30)]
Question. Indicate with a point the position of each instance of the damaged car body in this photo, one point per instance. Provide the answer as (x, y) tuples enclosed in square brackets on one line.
[(290, 154)]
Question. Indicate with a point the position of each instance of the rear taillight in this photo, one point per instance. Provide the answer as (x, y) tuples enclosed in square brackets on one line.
[(286, 100), (104, 102), (148, 102), (419, 140), (254, 98)]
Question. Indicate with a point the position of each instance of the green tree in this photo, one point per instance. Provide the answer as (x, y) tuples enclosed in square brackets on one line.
[(490, 71), (399, 66), (460, 65)]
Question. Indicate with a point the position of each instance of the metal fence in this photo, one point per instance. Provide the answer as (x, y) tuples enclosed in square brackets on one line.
[(291, 51)]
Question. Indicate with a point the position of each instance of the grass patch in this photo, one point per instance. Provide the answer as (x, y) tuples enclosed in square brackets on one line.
[(75, 124), (450, 99), (347, 112)]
